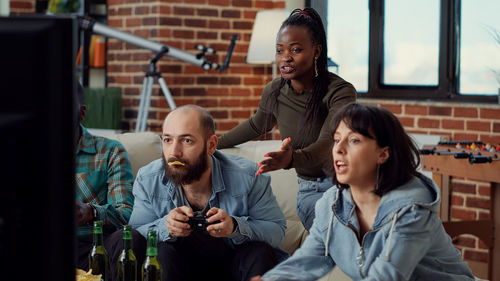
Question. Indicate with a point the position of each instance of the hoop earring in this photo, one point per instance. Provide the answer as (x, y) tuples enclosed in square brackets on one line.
[(378, 172), (315, 67)]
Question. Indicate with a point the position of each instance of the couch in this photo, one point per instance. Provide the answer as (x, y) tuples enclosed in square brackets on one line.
[(146, 147)]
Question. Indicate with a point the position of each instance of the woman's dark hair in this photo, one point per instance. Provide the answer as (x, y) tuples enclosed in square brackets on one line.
[(382, 126), (315, 110)]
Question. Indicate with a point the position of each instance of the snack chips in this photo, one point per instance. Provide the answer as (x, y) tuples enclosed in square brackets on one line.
[(81, 275), (176, 163)]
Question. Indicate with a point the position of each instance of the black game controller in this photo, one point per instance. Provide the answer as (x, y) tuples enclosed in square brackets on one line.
[(199, 222)]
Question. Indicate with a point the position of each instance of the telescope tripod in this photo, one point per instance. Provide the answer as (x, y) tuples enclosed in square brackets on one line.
[(147, 85), (146, 92)]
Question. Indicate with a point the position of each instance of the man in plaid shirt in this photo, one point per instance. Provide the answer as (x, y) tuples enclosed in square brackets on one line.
[(104, 181), (104, 184)]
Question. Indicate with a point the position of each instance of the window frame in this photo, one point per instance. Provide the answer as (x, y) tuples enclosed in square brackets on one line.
[(448, 64)]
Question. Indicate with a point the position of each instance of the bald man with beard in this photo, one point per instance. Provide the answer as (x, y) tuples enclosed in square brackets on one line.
[(215, 218)]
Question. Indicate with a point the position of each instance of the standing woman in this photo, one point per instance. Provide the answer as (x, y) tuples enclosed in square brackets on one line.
[(302, 102)]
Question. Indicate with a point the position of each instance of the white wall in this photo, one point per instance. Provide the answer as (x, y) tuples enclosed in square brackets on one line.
[(293, 4), (4, 7)]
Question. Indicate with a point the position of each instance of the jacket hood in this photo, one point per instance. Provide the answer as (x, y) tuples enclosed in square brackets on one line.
[(419, 190)]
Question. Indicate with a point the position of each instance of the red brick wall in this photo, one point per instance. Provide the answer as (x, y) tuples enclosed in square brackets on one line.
[(454, 121), (22, 7), (470, 200), (231, 96)]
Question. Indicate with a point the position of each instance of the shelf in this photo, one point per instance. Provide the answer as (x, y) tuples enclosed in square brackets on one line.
[(94, 76)]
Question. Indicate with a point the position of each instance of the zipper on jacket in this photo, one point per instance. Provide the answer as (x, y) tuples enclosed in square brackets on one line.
[(361, 250), (361, 260), (361, 254)]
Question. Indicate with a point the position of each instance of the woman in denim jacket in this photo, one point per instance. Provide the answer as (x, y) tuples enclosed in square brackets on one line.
[(379, 221)]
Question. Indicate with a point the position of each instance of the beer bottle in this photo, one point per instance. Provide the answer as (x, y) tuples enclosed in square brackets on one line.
[(151, 270), (98, 258), (127, 263)]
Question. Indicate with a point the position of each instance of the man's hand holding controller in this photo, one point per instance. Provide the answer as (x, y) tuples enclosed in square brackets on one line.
[(181, 221)]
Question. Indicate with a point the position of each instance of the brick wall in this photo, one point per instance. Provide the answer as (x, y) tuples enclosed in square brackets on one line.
[(454, 121), (22, 7), (470, 200), (231, 96)]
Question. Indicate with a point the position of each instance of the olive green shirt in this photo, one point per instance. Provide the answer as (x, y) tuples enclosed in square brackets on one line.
[(310, 156)]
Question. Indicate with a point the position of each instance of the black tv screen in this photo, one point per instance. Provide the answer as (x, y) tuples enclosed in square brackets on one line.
[(37, 119)]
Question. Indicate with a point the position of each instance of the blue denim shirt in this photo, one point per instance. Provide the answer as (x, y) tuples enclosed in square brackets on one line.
[(407, 240), (235, 188)]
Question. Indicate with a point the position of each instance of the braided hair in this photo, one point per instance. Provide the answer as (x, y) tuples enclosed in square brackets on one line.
[(315, 110)]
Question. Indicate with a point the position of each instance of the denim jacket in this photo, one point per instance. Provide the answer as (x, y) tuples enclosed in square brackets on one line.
[(235, 188), (407, 240)]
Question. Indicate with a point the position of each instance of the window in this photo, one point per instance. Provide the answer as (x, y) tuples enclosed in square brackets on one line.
[(347, 30), (427, 49), (480, 48), (411, 42)]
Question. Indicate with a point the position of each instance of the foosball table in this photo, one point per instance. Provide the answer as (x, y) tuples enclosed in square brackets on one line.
[(458, 159)]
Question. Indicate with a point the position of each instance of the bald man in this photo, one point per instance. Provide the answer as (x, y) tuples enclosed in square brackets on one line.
[(215, 218)]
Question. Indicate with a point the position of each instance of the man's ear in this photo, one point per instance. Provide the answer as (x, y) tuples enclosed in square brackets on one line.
[(212, 144), (383, 155)]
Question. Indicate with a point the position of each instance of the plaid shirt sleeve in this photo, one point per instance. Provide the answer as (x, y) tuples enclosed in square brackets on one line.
[(104, 180), (118, 206)]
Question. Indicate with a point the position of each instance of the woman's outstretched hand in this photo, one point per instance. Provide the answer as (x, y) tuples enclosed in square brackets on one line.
[(256, 278), (277, 159)]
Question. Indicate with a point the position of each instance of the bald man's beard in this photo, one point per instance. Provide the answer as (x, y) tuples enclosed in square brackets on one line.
[(189, 173)]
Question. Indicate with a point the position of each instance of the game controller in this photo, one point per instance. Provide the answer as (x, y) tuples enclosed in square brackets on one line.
[(199, 222)]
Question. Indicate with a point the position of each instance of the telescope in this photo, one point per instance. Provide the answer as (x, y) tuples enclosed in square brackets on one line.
[(93, 26), (198, 59)]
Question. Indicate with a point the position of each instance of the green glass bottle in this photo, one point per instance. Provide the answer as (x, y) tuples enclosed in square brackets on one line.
[(98, 257), (151, 270), (127, 263)]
